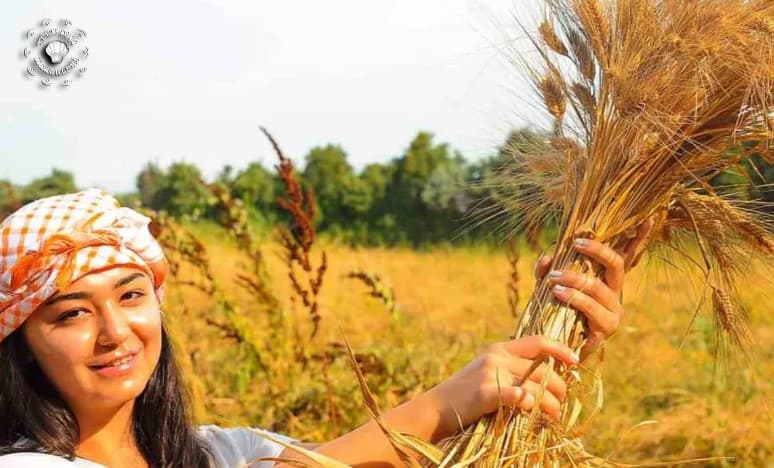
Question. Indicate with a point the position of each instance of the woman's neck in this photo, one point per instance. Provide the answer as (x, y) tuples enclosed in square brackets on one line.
[(106, 437)]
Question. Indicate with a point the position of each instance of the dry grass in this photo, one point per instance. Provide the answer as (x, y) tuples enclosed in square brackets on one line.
[(454, 302)]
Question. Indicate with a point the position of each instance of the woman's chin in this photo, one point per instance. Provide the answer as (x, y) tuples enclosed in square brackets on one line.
[(112, 398), (116, 386)]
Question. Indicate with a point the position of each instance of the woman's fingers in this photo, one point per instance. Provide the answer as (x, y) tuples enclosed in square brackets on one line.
[(516, 358), (588, 284), (548, 401), (532, 347), (555, 384), (542, 266), (607, 257), (600, 318), (615, 264), (517, 397), (525, 397)]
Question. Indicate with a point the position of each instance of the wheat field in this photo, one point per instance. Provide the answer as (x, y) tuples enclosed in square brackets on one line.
[(665, 397)]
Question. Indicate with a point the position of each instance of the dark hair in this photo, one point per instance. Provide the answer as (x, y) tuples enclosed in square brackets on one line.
[(36, 419)]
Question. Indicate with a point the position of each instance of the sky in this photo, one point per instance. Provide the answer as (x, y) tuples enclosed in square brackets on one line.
[(193, 80)]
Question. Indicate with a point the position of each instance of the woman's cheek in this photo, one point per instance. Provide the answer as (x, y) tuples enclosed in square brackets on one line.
[(62, 355), (146, 324), (69, 346), (146, 320)]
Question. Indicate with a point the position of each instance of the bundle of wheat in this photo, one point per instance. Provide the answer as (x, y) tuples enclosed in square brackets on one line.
[(651, 99)]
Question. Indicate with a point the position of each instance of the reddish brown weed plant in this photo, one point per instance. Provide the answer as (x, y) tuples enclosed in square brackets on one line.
[(297, 241)]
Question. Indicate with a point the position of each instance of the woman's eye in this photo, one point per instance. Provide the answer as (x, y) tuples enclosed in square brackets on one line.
[(70, 314), (132, 295)]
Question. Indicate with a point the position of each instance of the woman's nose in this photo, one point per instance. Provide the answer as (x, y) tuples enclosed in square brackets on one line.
[(114, 325)]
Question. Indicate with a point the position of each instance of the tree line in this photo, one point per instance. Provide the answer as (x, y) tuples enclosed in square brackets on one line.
[(422, 196), (429, 194)]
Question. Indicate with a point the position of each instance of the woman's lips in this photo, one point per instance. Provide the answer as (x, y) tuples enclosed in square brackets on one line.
[(125, 366)]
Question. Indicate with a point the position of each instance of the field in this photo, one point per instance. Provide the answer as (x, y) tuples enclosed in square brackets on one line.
[(451, 303)]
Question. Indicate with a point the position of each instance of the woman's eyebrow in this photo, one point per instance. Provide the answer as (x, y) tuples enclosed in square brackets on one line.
[(84, 295), (68, 297), (128, 279)]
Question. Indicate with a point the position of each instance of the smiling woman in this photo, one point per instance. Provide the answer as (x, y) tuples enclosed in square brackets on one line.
[(88, 376)]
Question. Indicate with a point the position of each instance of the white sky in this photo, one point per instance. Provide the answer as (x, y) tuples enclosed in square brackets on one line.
[(192, 80)]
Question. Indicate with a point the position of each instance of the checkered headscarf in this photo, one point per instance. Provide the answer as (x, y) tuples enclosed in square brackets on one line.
[(52, 242)]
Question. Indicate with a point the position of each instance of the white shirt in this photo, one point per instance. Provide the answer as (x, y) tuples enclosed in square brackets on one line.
[(230, 448)]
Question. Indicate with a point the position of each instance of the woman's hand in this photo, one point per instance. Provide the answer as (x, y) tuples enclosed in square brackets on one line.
[(491, 380), (598, 299)]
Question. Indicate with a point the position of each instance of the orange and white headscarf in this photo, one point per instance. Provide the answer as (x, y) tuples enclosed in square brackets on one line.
[(54, 241)]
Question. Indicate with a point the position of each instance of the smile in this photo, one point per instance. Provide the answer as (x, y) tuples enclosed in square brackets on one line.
[(118, 367)]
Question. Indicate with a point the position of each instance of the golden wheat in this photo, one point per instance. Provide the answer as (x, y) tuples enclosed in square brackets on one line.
[(661, 92)]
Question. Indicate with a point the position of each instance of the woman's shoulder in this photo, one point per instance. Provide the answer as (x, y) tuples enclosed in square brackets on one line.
[(42, 460), (229, 446), (236, 446)]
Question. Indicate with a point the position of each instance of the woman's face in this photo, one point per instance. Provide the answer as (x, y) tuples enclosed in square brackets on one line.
[(99, 340)]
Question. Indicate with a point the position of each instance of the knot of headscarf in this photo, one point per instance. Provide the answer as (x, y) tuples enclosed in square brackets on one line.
[(48, 244), (57, 245)]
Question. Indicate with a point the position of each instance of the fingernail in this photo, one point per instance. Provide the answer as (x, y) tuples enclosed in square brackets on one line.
[(559, 288), (575, 357), (555, 274), (582, 242), (529, 400)]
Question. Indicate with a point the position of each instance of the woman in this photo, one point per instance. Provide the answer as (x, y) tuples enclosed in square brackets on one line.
[(88, 377)]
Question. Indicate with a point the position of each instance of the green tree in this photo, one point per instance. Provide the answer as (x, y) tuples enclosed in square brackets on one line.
[(255, 186), (419, 161), (57, 183), (445, 188), (148, 183), (493, 185), (377, 178), (258, 189), (9, 201), (341, 197), (405, 201), (226, 175), (379, 225), (519, 141), (182, 191)]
